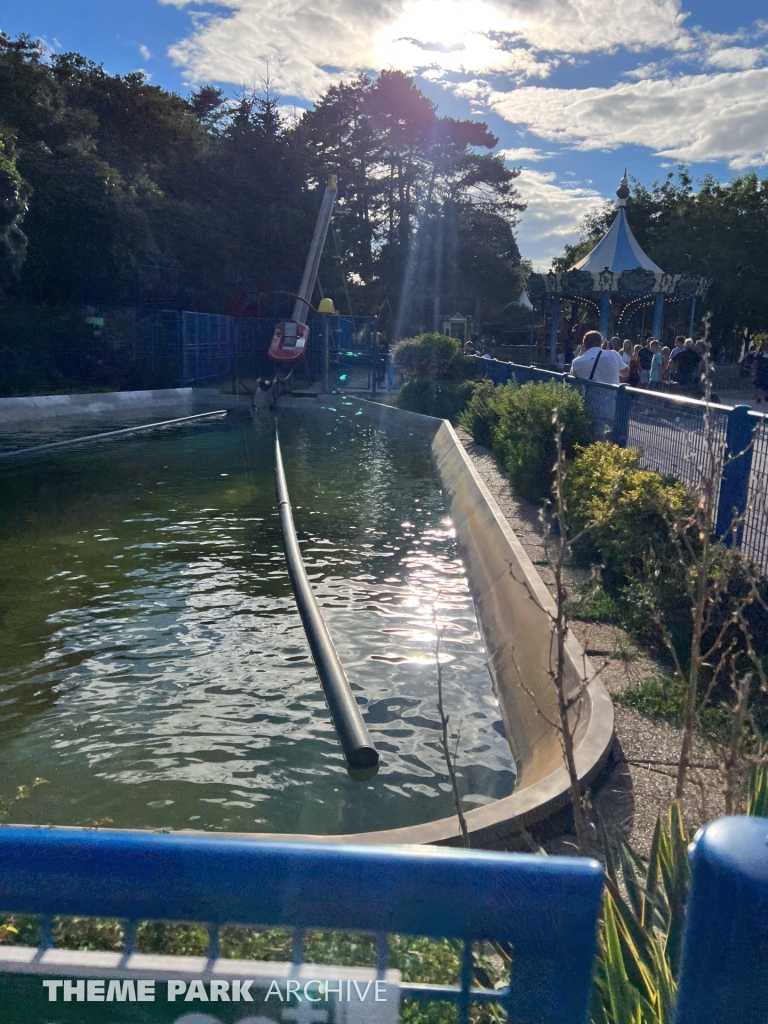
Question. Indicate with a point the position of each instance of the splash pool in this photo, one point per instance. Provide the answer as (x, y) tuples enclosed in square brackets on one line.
[(153, 667)]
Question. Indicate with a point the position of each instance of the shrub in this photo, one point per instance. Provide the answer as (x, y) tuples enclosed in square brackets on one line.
[(443, 398), (432, 356), (524, 437), (480, 416), (631, 509)]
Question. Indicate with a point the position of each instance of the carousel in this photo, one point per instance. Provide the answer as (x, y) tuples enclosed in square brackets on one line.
[(617, 286)]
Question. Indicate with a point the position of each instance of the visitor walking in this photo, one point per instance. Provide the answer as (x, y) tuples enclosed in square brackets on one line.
[(666, 355), (626, 351), (602, 365)]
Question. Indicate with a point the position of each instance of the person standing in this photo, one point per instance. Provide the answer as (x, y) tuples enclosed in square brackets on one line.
[(657, 363), (605, 366), (645, 358), (626, 351), (679, 346), (688, 372), (634, 368)]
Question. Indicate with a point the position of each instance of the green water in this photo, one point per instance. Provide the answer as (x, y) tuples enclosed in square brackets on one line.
[(153, 667)]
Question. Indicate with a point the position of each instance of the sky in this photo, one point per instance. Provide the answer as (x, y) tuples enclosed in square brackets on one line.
[(575, 89)]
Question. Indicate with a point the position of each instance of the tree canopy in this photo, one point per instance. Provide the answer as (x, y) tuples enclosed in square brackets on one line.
[(109, 185)]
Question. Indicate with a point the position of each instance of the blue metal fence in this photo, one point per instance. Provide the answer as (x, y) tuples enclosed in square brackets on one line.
[(680, 437), (217, 348), (545, 908)]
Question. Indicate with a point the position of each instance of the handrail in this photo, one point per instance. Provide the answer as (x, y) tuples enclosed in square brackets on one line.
[(354, 738), (52, 445)]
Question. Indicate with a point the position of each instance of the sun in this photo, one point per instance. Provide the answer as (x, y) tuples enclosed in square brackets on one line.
[(446, 35)]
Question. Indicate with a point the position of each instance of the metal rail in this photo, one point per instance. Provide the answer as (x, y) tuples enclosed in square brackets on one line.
[(107, 434), (354, 738)]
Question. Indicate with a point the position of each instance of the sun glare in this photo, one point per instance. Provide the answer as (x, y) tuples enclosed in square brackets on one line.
[(446, 35)]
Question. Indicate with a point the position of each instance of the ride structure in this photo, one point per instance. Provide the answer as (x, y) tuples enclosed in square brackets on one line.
[(289, 342), (616, 281)]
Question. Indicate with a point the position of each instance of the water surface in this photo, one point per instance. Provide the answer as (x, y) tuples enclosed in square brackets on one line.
[(153, 666)]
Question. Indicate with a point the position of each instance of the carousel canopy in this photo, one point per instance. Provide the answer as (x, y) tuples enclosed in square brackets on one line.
[(618, 249)]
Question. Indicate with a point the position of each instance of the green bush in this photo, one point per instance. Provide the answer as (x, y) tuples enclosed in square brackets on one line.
[(432, 357), (524, 436), (443, 398), (631, 510), (480, 417)]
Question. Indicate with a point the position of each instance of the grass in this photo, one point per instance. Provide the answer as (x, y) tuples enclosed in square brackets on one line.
[(664, 699), (593, 604)]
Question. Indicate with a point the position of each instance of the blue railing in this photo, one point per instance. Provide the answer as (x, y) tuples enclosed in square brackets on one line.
[(680, 437), (545, 908)]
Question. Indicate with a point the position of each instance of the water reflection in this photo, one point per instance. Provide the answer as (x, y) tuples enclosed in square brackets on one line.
[(153, 666)]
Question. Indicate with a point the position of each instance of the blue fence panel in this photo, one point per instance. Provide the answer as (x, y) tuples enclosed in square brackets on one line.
[(545, 908), (724, 976), (601, 399), (680, 437), (755, 536)]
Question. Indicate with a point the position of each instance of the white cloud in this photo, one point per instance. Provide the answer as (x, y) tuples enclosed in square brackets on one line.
[(586, 26), (693, 117), (553, 215), (735, 57), (145, 52), (311, 43), (523, 155)]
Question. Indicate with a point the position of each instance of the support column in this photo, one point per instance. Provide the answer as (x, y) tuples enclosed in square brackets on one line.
[(553, 334), (693, 314), (658, 317), (605, 313)]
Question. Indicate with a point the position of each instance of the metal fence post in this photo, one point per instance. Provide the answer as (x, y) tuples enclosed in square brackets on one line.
[(553, 331), (620, 434), (737, 464)]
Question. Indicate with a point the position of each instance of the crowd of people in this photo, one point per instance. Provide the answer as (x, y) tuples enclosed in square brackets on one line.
[(650, 365)]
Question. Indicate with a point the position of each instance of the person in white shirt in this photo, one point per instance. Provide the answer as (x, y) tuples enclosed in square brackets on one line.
[(602, 365)]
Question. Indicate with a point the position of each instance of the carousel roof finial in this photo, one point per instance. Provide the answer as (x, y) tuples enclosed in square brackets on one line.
[(623, 190)]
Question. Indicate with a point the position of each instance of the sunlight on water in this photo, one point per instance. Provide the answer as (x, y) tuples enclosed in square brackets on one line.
[(153, 667)]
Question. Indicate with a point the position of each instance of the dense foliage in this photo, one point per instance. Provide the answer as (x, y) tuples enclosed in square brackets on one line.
[(718, 231), (432, 356), (113, 190), (630, 510), (519, 421)]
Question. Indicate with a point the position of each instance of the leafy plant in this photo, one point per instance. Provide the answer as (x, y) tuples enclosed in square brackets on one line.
[(641, 931), (480, 416), (430, 357), (631, 510), (524, 437)]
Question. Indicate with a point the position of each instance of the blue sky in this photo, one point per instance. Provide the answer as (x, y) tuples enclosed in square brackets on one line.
[(575, 89)]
